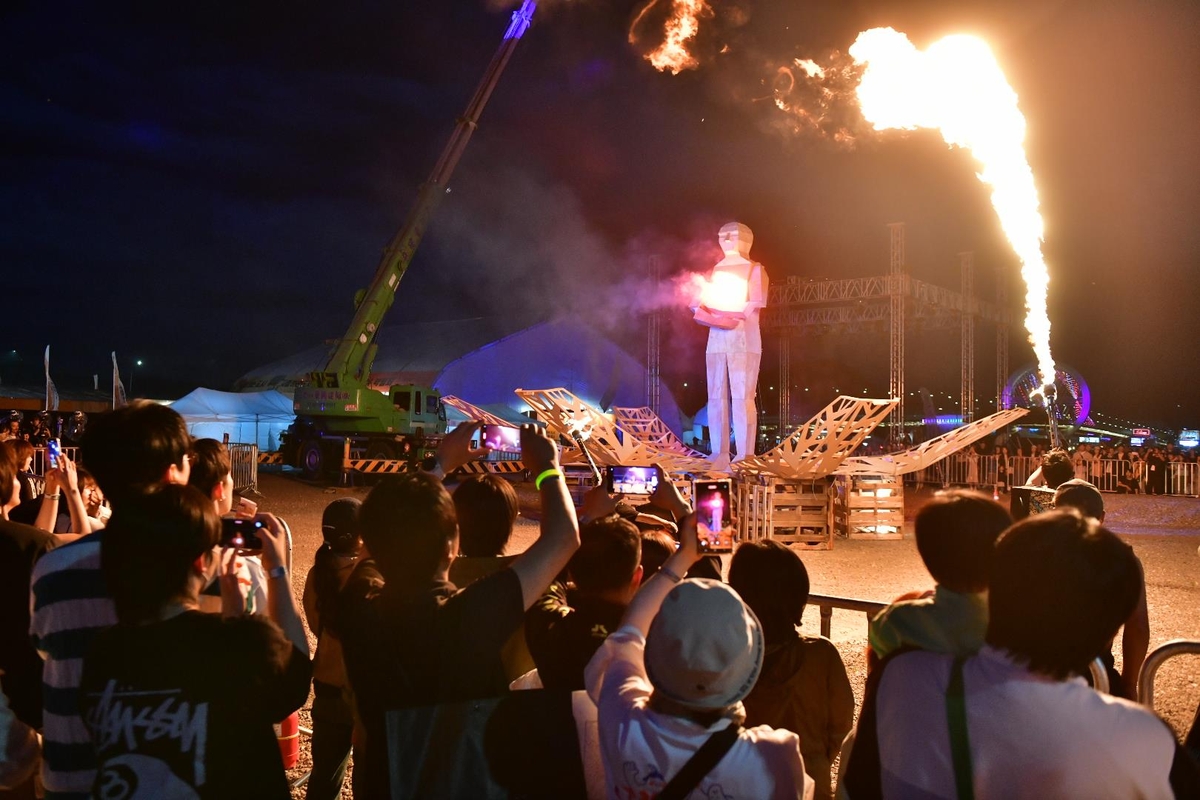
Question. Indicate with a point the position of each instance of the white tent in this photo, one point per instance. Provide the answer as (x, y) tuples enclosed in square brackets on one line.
[(248, 417)]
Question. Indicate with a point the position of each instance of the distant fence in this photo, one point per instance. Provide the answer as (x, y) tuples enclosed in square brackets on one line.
[(978, 471), (243, 459), (1108, 474), (39, 459)]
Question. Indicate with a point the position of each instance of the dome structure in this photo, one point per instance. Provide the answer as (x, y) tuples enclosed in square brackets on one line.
[(1072, 405)]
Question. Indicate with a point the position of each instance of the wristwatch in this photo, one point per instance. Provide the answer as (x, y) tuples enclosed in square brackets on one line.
[(277, 572)]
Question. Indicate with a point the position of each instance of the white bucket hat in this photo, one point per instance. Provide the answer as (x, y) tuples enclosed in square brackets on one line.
[(705, 646)]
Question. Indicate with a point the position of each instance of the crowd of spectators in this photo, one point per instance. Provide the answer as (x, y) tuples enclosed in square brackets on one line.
[(1118, 468), (144, 654), (39, 427)]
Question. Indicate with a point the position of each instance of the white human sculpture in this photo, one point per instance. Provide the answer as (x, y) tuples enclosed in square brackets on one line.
[(729, 306)]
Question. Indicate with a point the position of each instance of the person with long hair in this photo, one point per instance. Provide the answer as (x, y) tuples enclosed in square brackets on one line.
[(803, 687)]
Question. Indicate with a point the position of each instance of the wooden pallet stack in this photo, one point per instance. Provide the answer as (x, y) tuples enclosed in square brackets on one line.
[(794, 512), (869, 506)]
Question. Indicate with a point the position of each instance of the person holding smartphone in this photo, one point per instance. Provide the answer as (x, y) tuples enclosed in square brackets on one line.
[(410, 637), (178, 702), (212, 474)]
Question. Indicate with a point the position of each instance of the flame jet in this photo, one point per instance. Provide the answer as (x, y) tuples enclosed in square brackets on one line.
[(957, 87)]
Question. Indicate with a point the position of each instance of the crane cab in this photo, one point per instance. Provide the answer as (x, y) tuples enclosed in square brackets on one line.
[(421, 407)]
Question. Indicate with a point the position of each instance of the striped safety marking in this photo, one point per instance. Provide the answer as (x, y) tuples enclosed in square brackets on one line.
[(378, 466), (497, 467), (270, 458)]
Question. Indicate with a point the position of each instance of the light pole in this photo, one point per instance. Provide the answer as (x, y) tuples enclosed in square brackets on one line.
[(137, 363)]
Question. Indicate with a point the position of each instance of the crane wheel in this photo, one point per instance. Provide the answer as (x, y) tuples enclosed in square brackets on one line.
[(380, 450), (312, 459)]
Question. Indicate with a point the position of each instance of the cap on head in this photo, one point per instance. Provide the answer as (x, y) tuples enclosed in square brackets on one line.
[(735, 237), (339, 524), (704, 649)]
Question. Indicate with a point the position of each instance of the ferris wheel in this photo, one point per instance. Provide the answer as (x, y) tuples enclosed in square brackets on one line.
[(1072, 404)]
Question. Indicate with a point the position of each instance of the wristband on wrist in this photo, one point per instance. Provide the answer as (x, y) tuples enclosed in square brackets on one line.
[(54, 496), (665, 570), (550, 473), (277, 572)]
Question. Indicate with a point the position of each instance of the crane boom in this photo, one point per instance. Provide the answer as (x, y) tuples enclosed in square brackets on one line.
[(351, 360)]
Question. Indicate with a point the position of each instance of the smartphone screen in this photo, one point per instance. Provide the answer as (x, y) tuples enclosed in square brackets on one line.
[(241, 534), (632, 480), (500, 438), (715, 515), (53, 451)]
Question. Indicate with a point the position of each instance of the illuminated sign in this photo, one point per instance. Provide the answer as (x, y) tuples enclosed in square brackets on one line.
[(944, 421), (1142, 432), (1189, 438)]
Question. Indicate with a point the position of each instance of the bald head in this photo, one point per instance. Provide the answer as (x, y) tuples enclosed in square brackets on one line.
[(735, 238)]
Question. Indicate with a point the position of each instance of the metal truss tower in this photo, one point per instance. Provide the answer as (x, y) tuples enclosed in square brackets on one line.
[(1001, 341), (894, 302), (654, 342), (967, 265), (896, 338), (785, 385)]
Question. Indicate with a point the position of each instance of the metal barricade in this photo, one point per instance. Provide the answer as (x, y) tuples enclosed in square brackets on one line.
[(1021, 467), (39, 459), (1181, 478), (243, 461), (1106, 474), (1173, 648), (828, 603), (1099, 676)]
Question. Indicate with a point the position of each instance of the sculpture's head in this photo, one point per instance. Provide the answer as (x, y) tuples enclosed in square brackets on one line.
[(735, 239)]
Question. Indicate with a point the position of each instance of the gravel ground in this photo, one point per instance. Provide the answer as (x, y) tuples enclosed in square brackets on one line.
[(1164, 531)]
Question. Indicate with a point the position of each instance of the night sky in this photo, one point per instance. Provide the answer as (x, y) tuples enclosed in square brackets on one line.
[(205, 186)]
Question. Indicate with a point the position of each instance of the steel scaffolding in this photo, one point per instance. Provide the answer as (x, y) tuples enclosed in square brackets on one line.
[(862, 305), (896, 333), (654, 343), (1001, 342), (967, 266)]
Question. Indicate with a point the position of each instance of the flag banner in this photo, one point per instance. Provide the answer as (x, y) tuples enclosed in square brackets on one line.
[(51, 391), (118, 396)]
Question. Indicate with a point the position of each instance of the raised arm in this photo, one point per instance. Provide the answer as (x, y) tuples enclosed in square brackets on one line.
[(281, 602), (69, 486), (646, 602), (559, 538), (455, 449), (62, 488), (1135, 641), (649, 598)]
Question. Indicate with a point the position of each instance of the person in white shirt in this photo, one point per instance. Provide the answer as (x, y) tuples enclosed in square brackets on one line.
[(673, 675), (1017, 720)]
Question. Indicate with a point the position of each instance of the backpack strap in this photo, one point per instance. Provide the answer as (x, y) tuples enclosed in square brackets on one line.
[(960, 743), (700, 764)]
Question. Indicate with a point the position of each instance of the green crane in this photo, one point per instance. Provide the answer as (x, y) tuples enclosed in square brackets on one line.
[(336, 403)]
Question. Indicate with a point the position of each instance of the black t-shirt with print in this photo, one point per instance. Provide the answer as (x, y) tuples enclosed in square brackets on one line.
[(185, 708), (422, 647)]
